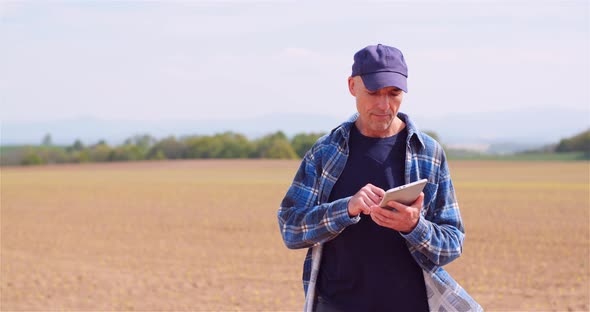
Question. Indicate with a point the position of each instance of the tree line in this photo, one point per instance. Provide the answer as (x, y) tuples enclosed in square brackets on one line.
[(223, 145), (145, 147), (577, 143)]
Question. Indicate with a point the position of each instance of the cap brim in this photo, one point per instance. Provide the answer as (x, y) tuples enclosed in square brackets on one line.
[(380, 80)]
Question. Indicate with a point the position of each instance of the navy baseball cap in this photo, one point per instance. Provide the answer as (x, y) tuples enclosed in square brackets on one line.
[(381, 66)]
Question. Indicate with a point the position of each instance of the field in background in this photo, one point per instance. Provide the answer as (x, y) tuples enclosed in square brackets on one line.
[(203, 235)]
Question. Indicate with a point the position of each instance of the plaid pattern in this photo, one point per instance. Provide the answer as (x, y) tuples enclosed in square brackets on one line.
[(307, 219)]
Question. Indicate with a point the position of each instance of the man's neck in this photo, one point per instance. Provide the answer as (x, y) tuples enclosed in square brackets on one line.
[(396, 126)]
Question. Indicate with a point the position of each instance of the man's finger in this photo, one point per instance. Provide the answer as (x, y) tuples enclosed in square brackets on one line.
[(386, 213), (376, 190), (384, 220), (366, 205), (398, 206), (419, 201), (374, 193), (377, 218), (374, 198)]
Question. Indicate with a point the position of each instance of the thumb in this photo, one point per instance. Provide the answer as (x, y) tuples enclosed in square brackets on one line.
[(419, 202)]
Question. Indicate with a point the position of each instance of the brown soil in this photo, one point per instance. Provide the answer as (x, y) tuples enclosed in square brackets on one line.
[(203, 235)]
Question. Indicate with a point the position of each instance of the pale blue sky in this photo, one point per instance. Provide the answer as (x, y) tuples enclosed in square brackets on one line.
[(234, 59)]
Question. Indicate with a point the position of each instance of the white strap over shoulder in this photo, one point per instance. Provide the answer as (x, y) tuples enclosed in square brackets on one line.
[(316, 256)]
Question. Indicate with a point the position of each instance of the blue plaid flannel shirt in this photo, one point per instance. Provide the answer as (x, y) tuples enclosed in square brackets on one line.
[(307, 219)]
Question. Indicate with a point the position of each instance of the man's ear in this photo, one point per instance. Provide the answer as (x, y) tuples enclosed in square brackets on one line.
[(351, 86)]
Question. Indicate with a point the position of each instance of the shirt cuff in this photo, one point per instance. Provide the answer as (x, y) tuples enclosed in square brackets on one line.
[(419, 234), (340, 212)]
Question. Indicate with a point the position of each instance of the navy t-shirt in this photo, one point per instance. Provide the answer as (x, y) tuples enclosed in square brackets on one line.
[(369, 267)]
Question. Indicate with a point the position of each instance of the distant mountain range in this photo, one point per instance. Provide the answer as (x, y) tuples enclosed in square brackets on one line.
[(534, 127), (507, 132), (510, 130), (90, 130)]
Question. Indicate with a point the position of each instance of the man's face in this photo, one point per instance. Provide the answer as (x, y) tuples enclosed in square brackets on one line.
[(377, 109)]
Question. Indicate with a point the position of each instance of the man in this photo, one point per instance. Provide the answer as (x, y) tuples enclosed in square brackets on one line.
[(362, 257)]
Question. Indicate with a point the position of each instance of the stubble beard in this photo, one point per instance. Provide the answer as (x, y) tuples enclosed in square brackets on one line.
[(380, 127)]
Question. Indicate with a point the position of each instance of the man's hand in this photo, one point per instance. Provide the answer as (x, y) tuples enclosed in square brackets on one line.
[(366, 199), (403, 218)]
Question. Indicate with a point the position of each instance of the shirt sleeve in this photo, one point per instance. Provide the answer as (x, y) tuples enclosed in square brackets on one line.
[(303, 220), (438, 237)]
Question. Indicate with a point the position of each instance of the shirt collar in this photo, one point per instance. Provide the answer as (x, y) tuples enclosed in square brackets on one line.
[(414, 135)]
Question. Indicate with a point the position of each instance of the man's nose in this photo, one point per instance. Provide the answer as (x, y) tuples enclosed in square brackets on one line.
[(383, 101)]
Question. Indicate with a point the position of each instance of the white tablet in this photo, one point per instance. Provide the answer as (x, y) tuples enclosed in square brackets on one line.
[(405, 194)]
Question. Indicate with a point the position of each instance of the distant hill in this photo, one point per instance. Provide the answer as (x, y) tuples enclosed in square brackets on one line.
[(528, 128), (576, 147), (505, 132), (577, 143), (91, 130)]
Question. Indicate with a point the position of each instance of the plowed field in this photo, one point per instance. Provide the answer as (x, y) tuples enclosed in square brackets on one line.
[(203, 235)]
